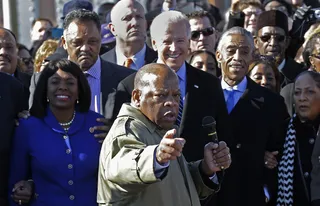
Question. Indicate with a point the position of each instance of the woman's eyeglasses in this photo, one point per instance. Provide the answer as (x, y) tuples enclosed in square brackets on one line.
[(267, 38), (205, 32)]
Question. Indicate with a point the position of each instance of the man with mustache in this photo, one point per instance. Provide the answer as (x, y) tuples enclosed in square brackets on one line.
[(128, 25), (81, 38), (8, 61), (141, 160), (201, 93), (257, 121), (272, 39)]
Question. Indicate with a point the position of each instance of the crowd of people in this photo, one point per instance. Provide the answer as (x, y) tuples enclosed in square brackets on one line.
[(113, 108)]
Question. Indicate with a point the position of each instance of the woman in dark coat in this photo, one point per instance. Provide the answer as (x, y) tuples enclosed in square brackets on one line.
[(295, 166)]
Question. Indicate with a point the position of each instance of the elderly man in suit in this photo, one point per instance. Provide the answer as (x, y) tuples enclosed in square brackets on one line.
[(11, 102), (9, 57), (201, 93), (257, 120), (128, 25), (141, 161), (273, 39)]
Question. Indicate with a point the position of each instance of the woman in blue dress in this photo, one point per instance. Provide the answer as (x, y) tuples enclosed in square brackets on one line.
[(55, 146)]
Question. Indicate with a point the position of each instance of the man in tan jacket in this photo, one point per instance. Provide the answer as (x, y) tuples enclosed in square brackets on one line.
[(141, 161)]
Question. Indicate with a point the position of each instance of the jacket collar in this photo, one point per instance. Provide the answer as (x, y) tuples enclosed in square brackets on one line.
[(53, 123), (129, 111)]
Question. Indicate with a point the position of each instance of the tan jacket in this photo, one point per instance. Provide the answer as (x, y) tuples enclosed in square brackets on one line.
[(126, 170), (315, 173)]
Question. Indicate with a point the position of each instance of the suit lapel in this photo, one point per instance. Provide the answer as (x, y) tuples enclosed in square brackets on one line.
[(191, 87), (150, 56), (106, 72), (111, 56), (250, 97)]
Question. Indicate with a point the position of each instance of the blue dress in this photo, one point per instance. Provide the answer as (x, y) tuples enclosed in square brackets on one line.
[(64, 166)]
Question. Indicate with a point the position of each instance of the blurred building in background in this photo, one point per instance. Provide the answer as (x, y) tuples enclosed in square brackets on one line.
[(18, 15)]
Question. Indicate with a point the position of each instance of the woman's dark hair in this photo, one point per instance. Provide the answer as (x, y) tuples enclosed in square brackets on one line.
[(198, 52), (310, 46), (269, 61), (40, 104), (314, 75)]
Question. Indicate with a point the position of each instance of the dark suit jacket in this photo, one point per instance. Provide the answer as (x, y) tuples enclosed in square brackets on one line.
[(204, 97), (111, 75), (25, 81), (11, 102), (111, 56), (290, 71), (258, 125)]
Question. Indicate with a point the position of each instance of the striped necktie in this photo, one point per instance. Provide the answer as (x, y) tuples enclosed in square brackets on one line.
[(179, 117)]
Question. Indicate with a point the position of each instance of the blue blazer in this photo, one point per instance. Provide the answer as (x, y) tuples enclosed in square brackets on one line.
[(64, 167)]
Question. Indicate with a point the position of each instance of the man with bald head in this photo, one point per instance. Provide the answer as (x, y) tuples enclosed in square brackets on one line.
[(9, 58), (142, 155), (128, 25)]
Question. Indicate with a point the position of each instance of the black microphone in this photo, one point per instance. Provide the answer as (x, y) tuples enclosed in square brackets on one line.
[(209, 124)]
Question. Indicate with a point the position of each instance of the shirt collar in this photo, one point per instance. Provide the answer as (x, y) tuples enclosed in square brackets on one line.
[(182, 72), (280, 67), (138, 58), (241, 87), (95, 70)]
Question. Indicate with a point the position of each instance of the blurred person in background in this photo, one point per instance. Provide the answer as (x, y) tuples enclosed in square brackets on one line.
[(45, 50), (203, 34), (26, 59), (251, 9), (295, 165), (103, 11), (9, 58), (108, 41), (264, 72), (61, 156), (312, 61), (39, 28), (205, 61)]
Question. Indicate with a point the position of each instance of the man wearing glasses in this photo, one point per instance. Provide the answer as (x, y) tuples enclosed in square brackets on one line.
[(203, 34), (272, 40)]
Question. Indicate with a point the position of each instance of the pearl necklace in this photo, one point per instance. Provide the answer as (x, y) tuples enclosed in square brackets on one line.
[(67, 124)]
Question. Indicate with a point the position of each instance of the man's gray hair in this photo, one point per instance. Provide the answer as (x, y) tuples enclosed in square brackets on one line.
[(235, 30), (162, 21)]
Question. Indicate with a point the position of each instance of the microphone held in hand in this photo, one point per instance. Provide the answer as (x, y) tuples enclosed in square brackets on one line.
[(209, 124)]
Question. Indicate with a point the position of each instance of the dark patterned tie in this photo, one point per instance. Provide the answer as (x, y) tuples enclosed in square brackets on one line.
[(179, 117)]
